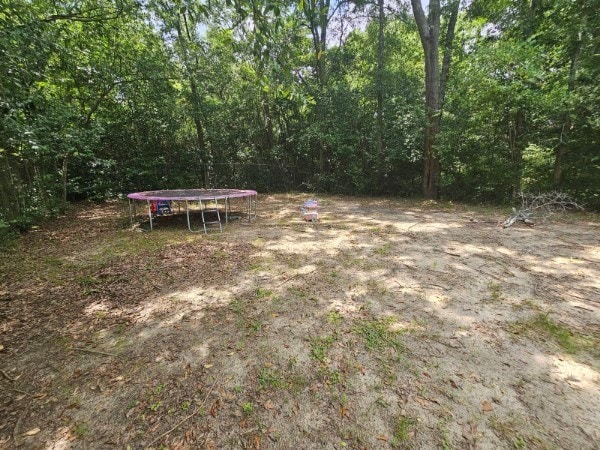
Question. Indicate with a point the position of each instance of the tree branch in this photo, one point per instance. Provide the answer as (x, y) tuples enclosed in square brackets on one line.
[(420, 18), (540, 206), (89, 15)]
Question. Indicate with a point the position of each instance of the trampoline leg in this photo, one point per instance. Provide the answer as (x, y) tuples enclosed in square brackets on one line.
[(150, 214), (187, 214), (130, 212), (252, 204), (226, 214), (202, 214)]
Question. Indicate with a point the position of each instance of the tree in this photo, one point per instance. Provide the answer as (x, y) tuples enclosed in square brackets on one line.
[(435, 84), (181, 20)]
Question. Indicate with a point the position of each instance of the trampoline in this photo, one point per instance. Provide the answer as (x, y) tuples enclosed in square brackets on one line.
[(206, 199)]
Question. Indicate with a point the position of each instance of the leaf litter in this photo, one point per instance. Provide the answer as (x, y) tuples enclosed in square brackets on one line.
[(127, 339)]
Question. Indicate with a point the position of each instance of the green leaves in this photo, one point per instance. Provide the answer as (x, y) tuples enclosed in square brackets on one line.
[(99, 100)]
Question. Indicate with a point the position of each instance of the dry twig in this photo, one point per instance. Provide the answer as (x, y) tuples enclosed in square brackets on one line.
[(87, 350), (9, 378), (294, 276)]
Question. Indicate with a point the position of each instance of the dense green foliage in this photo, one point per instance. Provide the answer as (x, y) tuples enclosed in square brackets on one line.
[(103, 97)]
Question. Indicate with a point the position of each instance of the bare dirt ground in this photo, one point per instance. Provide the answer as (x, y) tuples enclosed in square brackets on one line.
[(387, 324)]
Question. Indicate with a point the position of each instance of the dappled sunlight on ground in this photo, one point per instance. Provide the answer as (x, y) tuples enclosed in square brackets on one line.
[(383, 315), (578, 375)]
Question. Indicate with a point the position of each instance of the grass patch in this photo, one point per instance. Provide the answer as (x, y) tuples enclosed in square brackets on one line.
[(295, 382), (248, 408), (384, 250), (261, 264), (495, 292), (330, 377), (237, 307), (446, 442), (378, 334), (88, 283), (402, 431), (81, 429), (543, 326), (376, 288), (255, 326), (268, 378), (334, 317), (319, 347), (263, 293), (128, 245), (297, 292), (508, 429), (527, 304)]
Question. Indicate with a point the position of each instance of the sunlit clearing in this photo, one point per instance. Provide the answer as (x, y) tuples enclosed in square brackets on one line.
[(574, 373)]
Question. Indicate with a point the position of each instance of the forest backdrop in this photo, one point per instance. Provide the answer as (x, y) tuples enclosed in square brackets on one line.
[(470, 101)]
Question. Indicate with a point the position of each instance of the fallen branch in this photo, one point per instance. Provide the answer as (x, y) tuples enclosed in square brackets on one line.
[(87, 350), (540, 206)]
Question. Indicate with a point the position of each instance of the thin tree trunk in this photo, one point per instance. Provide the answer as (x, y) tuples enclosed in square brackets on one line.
[(517, 145), (65, 166), (14, 203), (380, 142), (561, 149)]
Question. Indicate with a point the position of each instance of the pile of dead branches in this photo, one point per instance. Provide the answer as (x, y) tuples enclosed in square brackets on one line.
[(540, 207)]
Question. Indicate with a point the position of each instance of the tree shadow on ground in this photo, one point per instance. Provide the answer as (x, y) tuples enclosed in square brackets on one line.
[(386, 323)]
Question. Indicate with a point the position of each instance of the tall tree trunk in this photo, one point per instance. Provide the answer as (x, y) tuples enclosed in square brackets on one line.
[(319, 25), (517, 130), (190, 68), (203, 160), (561, 149), (380, 142), (268, 136), (435, 85), (196, 116), (267, 125), (317, 15)]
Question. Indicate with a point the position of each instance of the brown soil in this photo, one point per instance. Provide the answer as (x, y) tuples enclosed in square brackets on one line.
[(386, 324)]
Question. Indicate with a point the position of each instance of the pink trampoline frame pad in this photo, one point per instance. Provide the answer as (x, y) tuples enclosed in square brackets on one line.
[(192, 194)]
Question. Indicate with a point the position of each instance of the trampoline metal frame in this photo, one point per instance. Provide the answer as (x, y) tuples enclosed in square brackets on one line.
[(250, 207)]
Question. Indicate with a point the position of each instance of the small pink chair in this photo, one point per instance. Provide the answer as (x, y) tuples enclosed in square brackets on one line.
[(310, 210)]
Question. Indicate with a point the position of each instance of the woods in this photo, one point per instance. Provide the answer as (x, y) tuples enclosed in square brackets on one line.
[(472, 102)]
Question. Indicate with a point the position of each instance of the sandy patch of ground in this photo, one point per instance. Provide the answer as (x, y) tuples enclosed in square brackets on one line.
[(386, 324)]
